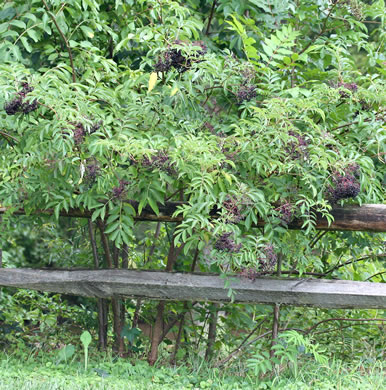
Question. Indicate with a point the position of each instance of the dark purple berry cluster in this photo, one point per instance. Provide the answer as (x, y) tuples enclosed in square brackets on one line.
[(120, 191), (364, 105), (353, 87), (246, 93), (225, 243), (173, 58), (231, 205), (91, 173), (344, 186), (269, 261), (297, 149), (249, 273), (13, 106), (96, 126), (18, 104), (266, 264), (160, 161), (79, 133), (286, 213)]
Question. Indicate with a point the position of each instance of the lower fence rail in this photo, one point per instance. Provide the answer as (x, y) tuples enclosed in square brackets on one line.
[(176, 286)]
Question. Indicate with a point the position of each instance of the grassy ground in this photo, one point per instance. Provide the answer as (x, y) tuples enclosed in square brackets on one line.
[(44, 372)]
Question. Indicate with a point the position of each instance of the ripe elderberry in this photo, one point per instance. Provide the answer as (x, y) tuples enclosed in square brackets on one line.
[(160, 161), (350, 86), (91, 173), (286, 213), (79, 133), (230, 204), (297, 149), (119, 192), (96, 126), (269, 261), (29, 107), (173, 58), (18, 105), (225, 243), (249, 273), (344, 186), (13, 107), (246, 93)]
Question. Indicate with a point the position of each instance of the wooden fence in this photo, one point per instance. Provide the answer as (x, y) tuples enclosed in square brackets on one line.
[(175, 286)]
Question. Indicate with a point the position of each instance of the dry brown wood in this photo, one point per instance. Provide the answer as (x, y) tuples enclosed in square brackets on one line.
[(198, 287), (368, 217)]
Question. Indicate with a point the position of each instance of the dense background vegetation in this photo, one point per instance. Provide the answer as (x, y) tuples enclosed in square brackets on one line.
[(269, 110)]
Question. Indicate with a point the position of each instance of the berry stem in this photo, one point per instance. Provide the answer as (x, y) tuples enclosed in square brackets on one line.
[(6, 135), (52, 16), (211, 17)]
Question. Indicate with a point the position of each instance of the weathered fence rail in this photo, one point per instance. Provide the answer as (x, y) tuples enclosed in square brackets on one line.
[(368, 217), (198, 287)]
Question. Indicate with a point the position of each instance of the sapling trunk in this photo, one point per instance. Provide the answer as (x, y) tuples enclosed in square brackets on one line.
[(276, 312), (101, 304), (185, 309), (158, 326), (212, 331), (119, 344)]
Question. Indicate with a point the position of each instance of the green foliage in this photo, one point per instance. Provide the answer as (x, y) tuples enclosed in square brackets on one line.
[(31, 316), (111, 136), (66, 353), (86, 339), (36, 371)]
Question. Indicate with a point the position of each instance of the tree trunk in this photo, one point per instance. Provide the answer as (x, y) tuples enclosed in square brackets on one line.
[(118, 342), (212, 331), (158, 326), (182, 315), (122, 308), (178, 339), (101, 303), (276, 312)]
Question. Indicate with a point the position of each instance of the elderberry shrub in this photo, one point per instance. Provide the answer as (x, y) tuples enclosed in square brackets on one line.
[(344, 186), (246, 93), (225, 243), (17, 104), (120, 191), (160, 161), (173, 58)]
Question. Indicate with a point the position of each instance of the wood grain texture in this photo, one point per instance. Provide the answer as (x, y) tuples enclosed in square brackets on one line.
[(368, 217), (198, 287)]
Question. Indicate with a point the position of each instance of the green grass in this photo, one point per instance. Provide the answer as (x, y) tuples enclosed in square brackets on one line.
[(43, 372)]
